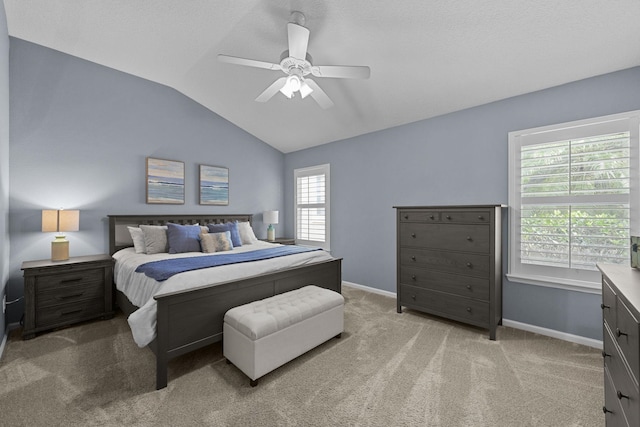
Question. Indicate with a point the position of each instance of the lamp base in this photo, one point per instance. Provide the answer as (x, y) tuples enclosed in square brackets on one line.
[(271, 233), (60, 249)]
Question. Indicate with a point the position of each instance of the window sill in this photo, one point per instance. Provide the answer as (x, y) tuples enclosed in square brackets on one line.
[(557, 283)]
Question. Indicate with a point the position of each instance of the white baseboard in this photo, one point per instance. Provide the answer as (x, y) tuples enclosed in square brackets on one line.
[(590, 342)]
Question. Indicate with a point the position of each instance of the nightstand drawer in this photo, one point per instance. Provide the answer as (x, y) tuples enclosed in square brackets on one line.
[(69, 294), (69, 313), (54, 281)]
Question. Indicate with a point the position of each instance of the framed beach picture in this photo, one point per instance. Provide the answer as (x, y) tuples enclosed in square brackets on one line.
[(165, 181), (214, 185)]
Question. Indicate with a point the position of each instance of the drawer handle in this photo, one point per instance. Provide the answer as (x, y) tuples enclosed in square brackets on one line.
[(602, 306), (469, 265), (469, 238), (620, 333), (448, 216), (413, 258), (63, 297), (413, 235), (75, 279), (413, 277), (605, 410), (621, 396), (66, 313), (605, 354)]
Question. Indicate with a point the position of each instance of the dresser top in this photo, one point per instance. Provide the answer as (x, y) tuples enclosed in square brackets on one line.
[(497, 205), (73, 260), (626, 279)]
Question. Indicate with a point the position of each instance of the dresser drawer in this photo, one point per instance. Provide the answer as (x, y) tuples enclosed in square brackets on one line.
[(455, 307), (420, 216), (626, 390), (72, 277), (627, 332), (470, 287), (69, 313), (467, 264), (454, 237), (608, 303), (466, 217), (68, 294), (614, 417)]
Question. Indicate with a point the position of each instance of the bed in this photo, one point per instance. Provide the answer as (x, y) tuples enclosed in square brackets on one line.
[(189, 319)]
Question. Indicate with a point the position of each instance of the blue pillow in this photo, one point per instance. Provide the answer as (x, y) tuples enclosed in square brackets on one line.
[(227, 226), (183, 238)]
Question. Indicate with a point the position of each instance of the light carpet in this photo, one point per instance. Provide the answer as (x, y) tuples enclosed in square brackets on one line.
[(388, 369)]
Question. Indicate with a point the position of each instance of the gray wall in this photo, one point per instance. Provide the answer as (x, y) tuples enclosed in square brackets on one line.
[(80, 133), (459, 158), (4, 160)]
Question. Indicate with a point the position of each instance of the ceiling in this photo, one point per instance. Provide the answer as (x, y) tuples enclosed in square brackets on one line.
[(427, 58)]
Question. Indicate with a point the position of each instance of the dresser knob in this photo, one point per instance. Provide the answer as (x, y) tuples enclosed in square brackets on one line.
[(413, 277), (469, 287), (413, 297), (406, 217), (621, 396), (448, 217), (620, 333), (469, 265), (431, 217), (602, 306), (605, 354), (413, 235), (469, 238), (469, 309), (413, 258), (605, 410), (480, 217)]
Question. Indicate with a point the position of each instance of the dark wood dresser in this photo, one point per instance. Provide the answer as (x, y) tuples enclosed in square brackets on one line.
[(60, 293), (621, 344), (449, 262)]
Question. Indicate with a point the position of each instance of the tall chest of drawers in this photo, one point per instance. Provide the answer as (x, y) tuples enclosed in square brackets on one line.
[(621, 344), (449, 262)]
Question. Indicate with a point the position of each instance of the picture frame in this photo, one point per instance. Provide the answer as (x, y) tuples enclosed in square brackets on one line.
[(165, 181), (214, 185)]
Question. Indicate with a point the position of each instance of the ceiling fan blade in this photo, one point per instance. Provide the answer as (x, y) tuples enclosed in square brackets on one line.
[(248, 62), (318, 94), (341, 71), (271, 90), (298, 40)]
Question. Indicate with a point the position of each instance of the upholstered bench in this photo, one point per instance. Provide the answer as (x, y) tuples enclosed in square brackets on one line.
[(263, 335)]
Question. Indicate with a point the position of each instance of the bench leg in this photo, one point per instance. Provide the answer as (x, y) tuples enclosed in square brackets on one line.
[(253, 383), (339, 335)]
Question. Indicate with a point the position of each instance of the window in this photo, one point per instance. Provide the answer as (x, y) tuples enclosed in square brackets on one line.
[(573, 198), (312, 206)]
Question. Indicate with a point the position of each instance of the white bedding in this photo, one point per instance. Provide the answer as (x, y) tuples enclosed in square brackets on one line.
[(141, 289)]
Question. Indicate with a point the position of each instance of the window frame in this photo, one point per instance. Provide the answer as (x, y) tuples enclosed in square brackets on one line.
[(325, 170), (560, 277)]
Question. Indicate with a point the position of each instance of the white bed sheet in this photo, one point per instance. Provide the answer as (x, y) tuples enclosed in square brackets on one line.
[(141, 289)]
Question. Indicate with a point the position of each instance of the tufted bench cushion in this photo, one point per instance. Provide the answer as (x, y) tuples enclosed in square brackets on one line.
[(262, 335)]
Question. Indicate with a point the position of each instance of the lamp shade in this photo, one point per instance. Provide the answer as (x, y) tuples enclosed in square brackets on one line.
[(270, 217), (60, 220)]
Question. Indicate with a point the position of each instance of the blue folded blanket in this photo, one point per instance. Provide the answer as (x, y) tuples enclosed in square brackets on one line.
[(164, 269)]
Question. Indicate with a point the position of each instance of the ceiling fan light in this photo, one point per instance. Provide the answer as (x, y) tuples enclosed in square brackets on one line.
[(305, 90)]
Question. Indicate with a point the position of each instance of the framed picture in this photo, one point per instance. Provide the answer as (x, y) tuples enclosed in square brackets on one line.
[(165, 181), (214, 185)]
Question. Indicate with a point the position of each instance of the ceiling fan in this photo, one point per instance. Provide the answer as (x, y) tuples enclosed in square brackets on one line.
[(297, 64)]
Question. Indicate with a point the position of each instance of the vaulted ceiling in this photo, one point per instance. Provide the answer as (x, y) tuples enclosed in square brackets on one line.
[(427, 58)]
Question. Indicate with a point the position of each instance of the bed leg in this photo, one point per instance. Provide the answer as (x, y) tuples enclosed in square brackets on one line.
[(161, 372)]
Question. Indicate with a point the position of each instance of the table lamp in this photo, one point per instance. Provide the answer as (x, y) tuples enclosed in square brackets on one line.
[(271, 218), (59, 221)]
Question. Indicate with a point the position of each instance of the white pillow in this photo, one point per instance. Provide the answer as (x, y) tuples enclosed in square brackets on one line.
[(138, 240), (246, 233)]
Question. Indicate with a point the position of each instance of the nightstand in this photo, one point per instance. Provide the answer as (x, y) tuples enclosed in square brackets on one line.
[(282, 240), (61, 293)]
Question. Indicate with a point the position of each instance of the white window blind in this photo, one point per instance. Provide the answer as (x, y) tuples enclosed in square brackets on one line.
[(312, 206), (572, 198)]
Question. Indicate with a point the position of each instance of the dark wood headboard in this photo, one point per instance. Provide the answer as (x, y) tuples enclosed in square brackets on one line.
[(119, 237)]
